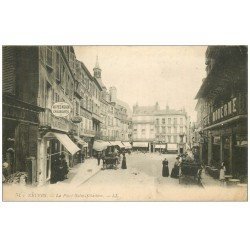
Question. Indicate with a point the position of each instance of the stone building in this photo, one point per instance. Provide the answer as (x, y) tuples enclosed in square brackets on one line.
[(222, 109), (36, 77), (158, 129)]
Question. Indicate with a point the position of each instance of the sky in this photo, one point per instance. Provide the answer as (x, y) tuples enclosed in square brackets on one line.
[(171, 75)]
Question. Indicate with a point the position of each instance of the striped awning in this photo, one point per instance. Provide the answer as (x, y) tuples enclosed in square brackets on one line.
[(66, 142), (160, 146), (127, 144), (100, 145), (120, 144), (140, 144)]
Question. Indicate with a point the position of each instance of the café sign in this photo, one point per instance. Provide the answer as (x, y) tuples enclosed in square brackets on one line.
[(61, 109), (223, 112)]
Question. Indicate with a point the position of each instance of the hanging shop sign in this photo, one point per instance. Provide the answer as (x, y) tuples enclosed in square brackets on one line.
[(76, 119), (61, 109)]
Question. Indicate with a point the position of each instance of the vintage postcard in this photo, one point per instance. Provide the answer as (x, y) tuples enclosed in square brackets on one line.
[(124, 123)]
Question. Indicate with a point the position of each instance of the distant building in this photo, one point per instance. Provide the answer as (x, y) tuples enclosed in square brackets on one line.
[(155, 128)]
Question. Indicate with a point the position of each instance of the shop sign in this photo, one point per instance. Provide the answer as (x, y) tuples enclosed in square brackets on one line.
[(227, 110), (61, 109), (59, 124), (76, 119)]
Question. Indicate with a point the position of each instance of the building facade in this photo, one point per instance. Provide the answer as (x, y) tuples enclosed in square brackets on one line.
[(222, 109), (155, 128), (38, 78)]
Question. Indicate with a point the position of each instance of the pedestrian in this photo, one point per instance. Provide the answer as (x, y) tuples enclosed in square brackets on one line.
[(6, 168), (176, 169), (124, 164), (64, 168), (222, 173), (165, 169), (98, 158)]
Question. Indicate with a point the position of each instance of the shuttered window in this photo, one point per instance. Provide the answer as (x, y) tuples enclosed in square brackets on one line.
[(9, 68)]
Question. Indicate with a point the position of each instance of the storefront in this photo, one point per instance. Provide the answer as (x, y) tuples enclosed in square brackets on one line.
[(56, 138), (227, 138), (172, 148), (19, 136), (140, 146)]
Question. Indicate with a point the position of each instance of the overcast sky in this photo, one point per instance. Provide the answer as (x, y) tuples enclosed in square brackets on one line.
[(145, 74)]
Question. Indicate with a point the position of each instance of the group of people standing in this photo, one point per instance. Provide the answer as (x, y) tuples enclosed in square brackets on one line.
[(175, 170), (59, 168)]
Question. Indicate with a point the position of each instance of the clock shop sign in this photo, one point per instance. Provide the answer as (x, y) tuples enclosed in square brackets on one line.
[(61, 109)]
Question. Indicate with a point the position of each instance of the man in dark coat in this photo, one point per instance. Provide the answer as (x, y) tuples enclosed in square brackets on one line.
[(98, 158), (165, 169), (124, 164)]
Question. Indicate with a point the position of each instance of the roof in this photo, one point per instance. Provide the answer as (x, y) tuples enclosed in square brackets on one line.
[(125, 105), (152, 110)]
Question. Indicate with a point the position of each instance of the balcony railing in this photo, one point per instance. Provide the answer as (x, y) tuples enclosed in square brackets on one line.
[(58, 123)]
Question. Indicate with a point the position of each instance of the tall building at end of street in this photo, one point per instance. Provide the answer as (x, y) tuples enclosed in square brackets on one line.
[(160, 129), (222, 110)]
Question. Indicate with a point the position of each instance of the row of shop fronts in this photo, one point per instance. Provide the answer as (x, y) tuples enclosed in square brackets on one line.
[(33, 139), (152, 147), (226, 142)]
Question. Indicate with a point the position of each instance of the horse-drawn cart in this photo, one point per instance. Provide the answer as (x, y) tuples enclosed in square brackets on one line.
[(190, 173), (110, 162)]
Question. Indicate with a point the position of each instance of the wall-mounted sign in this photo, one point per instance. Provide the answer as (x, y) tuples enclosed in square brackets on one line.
[(225, 111), (76, 119), (61, 109)]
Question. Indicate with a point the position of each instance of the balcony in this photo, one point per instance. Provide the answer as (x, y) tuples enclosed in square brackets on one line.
[(58, 123), (87, 132)]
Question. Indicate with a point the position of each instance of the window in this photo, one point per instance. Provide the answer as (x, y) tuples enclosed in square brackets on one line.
[(181, 129), (175, 129), (181, 121), (169, 120), (135, 129), (157, 130), (163, 129), (57, 66), (175, 120), (175, 138), (169, 138), (163, 121), (169, 130), (77, 108), (157, 121), (49, 56), (63, 76)]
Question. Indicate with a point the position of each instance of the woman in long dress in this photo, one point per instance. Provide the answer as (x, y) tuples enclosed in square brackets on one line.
[(124, 164), (165, 169)]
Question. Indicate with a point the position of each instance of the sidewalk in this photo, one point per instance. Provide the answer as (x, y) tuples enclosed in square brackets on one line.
[(209, 181), (81, 172)]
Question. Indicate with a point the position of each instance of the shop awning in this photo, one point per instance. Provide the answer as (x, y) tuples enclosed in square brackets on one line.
[(140, 144), (127, 145), (160, 146), (81, 141), (120, 144), (66, 142), (100, 145), (112, 143), (172, 146)]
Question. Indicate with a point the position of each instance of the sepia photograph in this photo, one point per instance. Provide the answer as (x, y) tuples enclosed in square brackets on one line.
[(125, 123)]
